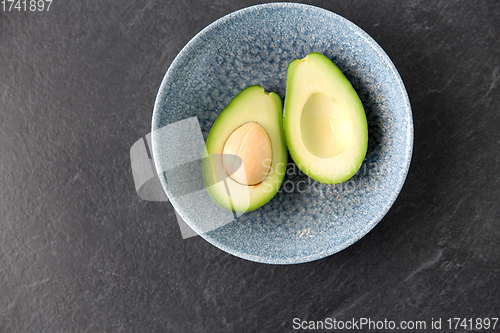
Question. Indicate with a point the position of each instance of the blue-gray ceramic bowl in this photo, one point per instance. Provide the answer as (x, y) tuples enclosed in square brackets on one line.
[(306, 220)]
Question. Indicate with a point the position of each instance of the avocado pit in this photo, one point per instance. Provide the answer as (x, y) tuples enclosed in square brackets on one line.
[(251, 144)]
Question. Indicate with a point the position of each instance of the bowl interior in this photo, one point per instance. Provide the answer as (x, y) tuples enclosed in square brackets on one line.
[(306, 220)]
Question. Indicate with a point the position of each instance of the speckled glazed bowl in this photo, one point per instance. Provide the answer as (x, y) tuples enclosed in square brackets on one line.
[(306, 220)]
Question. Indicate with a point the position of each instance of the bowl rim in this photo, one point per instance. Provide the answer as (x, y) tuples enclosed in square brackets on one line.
[(406, 110)]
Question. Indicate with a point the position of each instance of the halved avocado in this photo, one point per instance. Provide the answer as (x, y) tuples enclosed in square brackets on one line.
[(325, 123), (250, 125)]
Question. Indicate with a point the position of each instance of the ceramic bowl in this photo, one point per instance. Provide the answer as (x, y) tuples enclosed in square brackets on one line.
[(306, 220)]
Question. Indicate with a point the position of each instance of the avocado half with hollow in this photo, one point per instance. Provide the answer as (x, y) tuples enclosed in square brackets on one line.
[(325, 123), (246, 153)]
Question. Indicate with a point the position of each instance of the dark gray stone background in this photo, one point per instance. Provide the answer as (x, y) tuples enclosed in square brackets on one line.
[(80, 252)]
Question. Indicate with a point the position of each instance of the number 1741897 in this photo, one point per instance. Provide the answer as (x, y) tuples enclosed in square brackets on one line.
[(25, 5)]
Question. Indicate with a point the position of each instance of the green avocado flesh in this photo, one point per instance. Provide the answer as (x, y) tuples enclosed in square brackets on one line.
[(252, 104), (325, 123)]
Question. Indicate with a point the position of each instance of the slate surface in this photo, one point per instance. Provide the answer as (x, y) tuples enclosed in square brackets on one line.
[(80, 252)]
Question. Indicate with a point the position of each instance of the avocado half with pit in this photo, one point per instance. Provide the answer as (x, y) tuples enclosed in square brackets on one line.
[(246, 153), (325, 123)]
